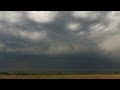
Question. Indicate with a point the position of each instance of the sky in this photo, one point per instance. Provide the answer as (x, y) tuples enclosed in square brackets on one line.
[(60, 41)]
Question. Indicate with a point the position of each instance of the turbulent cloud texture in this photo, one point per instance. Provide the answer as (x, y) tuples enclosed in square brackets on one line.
[(61, 33)]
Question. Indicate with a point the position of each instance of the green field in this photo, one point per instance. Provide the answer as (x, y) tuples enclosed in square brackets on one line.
[(68, 76)]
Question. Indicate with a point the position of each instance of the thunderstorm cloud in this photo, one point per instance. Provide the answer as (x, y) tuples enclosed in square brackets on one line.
[(59, 40)]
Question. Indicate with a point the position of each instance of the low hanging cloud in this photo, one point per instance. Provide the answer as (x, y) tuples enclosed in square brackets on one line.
[(59, 32)]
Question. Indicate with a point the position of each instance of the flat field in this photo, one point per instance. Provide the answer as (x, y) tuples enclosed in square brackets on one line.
[(62, 76)]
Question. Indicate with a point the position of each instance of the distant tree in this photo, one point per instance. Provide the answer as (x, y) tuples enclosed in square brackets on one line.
[(59, 73), (116, 73)]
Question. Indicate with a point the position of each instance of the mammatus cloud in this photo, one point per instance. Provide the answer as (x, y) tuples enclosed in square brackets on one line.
[(42, 16), (32, 35), (10, 16), (59, 40), (73, 26), (90, 15), (57, 32)]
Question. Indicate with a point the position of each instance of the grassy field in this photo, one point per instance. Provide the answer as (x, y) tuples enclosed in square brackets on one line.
[(68, 76)]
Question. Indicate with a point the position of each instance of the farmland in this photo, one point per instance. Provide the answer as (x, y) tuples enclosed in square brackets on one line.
[(63, 76)]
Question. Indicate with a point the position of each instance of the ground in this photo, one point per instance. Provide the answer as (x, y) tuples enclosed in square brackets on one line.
[(62, 76)]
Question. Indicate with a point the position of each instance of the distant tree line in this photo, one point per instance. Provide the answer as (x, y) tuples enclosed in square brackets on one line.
[(59, 73)]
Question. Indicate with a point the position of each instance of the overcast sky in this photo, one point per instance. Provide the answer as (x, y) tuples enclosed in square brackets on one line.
[(59, 40)]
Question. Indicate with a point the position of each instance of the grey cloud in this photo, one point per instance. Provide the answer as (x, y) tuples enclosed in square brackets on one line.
[(65, 30), (61, 34)]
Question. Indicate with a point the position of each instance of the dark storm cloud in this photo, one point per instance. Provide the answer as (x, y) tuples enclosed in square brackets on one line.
[(63, 40)]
